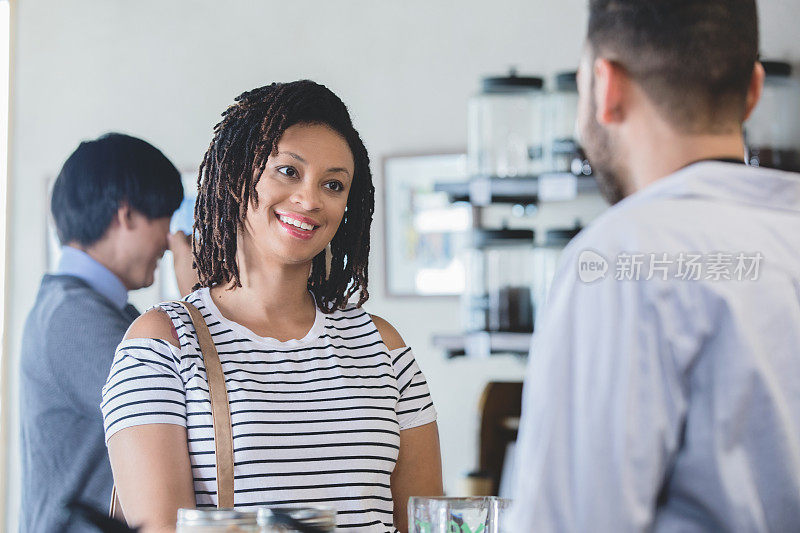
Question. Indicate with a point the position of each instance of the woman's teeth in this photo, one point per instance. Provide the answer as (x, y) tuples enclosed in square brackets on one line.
[(296, 223)]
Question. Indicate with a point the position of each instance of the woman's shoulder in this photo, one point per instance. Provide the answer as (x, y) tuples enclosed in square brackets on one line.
[(154, 324), (162, 320), (354, 313), (391, 338)]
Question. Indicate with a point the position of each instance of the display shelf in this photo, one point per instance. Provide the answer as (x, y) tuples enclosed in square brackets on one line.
[(520, 190), (483, 343)]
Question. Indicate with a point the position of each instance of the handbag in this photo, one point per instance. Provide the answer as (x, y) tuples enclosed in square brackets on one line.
[(220, 414)]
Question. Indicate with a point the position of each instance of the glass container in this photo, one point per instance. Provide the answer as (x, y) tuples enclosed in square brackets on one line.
[(487, 514), (772, 132), (498, 296), (507, 127), (563, 107), (545, 261), (216, 521), (315, 519)]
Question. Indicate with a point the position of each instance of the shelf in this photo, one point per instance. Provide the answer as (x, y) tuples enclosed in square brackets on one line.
[(520, 190), (483, 344)]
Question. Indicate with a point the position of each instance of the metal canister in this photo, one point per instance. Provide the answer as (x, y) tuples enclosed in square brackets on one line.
[(314, 519), (216, 521)]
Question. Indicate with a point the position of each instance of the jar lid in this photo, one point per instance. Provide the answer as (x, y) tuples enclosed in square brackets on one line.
[(316, 519), (485, 238), (217, 517), (567, 81), (561, 236), (512, 83), (777, 68)]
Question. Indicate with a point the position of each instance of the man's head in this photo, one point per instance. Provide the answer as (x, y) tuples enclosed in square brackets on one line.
[(691, 62), (115, 195)]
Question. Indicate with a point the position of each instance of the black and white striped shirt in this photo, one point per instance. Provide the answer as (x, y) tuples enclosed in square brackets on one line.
[(315, 420)]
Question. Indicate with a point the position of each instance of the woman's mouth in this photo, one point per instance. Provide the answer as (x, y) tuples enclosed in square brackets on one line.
[(301, 228)]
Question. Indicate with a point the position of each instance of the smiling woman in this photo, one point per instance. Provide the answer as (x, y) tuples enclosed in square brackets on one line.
[(327, 404), (305, 195), (237, 160)]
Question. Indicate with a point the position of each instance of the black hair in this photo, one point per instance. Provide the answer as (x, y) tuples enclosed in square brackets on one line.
[(247, 135), (693, 58), (103, 173)]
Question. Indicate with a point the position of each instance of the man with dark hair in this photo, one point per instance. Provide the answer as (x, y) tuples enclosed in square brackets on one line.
[(111, 203), (662, 389)]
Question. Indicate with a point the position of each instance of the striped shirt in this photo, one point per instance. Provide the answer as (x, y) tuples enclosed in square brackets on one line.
[(315, 420)]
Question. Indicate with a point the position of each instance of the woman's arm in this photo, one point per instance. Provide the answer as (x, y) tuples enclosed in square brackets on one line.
[(150, 462), (418, 471)]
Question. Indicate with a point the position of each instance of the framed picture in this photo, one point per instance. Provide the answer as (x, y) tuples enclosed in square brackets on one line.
[(424, 232)]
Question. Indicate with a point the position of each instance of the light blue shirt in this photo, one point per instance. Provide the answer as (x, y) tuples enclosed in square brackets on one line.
[(668, 399), (77, 263)]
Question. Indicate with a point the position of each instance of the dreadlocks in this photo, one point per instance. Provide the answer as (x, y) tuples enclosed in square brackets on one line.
[(247, 135)]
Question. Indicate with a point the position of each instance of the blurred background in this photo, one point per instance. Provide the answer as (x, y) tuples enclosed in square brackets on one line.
[(165, 70)]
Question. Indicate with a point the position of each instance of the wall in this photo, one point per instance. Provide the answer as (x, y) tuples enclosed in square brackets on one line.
[(165, 71)]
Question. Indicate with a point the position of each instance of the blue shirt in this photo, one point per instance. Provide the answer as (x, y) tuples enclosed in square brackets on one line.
[(78, 263), (662, 391)]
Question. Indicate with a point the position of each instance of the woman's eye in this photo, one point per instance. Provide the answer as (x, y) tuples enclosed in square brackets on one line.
[(336, 186), (288, 171)]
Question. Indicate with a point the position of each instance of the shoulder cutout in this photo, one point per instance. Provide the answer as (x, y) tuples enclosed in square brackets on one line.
[(391, 338), (154, 324)]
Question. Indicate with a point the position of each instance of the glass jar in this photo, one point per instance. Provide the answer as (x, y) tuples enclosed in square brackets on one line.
[(498, 296), (488, 514), (507, 127), (297, 519), (545, 262), (216, 521), (563, 106), (772, 132)]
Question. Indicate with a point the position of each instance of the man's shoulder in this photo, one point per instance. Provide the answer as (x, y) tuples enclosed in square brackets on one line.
[(624, 226), (67, 317), (68, 299), (646, 224)]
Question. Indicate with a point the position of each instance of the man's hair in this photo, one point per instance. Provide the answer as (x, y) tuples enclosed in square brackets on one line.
[(102, 174), (247, 135), (693, 58)]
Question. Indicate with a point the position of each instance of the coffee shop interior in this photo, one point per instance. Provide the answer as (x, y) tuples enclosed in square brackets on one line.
[(467, 109)]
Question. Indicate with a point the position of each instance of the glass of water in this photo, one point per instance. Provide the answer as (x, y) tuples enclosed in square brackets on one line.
[(484, 514)]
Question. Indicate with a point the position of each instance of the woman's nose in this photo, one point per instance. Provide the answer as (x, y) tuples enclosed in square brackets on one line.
[(307, 197)]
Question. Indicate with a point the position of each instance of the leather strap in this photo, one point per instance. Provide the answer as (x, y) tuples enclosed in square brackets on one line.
[(220, 413), (220, 410), (115, 509)]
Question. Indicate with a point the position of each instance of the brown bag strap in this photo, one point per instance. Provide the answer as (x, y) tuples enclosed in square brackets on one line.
[(115, 509), (220, 410), (220, 413)]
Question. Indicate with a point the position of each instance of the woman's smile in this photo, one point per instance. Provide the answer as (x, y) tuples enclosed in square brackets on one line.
[(302, 194), (297, 226)]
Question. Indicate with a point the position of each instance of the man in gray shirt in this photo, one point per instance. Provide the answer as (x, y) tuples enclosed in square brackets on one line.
[(662, 393), (111, 203)]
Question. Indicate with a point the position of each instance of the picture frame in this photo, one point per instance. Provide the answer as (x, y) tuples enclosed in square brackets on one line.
[(424, 232)]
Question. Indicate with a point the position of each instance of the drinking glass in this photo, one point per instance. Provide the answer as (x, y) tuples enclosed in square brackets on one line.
[(458, 515)]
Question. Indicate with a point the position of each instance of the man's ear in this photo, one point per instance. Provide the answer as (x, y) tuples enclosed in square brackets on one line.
[(124, 217), (611, 87), (755, 88)]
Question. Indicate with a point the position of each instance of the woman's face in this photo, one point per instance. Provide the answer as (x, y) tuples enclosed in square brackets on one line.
[(302, 195)]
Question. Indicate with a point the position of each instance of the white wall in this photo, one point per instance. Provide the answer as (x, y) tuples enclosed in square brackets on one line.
[(164, 70)]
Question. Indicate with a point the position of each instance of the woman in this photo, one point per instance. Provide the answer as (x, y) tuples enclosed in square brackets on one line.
[(327, 404)]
